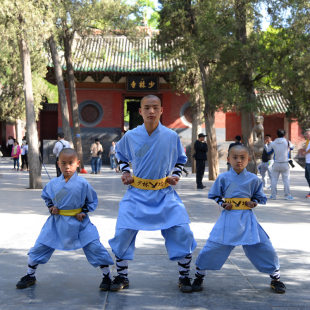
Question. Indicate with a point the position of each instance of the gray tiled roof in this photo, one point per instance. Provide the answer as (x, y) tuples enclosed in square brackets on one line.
[(117, 54), (272, 103)]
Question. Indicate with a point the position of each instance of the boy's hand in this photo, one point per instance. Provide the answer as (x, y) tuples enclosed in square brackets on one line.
[(80, 216), (172, 180), (127, 178), (54, 210), (227, 206), (251, 204)]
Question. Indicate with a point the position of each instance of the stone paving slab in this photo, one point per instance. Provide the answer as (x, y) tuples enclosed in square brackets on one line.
[(68, 282)]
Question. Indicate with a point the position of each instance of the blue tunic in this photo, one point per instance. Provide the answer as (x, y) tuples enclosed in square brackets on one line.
[(238, 227), (66, 232), (151, 157)]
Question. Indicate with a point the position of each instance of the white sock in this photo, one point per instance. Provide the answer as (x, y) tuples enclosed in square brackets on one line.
[(200, 273), (275, 275), (32, 267), (105, 270)]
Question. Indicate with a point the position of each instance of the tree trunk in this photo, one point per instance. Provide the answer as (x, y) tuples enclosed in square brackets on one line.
[(73, 99), (209, 115), (31, 125), (247, 138), (246, 83), (61, 90), (213, 160)]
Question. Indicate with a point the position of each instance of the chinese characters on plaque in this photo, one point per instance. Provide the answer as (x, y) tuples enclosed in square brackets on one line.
[(142, 83)]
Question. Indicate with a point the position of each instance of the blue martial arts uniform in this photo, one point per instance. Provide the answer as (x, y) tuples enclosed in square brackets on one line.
[(152, 157), (238, 227), (66, 232)]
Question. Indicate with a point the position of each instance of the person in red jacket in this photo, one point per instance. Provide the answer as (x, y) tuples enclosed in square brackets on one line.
[(15, 154)]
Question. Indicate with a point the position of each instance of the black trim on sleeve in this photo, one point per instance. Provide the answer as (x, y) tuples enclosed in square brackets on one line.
[(124, 166), (219, 200), (178, 169), (85, 209)]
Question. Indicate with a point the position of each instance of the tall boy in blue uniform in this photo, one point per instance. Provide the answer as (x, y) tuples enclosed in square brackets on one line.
[(150, 203), (238, 192), (69, 198)]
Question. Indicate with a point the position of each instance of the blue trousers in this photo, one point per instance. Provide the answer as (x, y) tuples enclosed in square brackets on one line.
[(112, 161), (179, 242), (16, 162), (94, 251), (262, 256), (95, 164), (307, 173)]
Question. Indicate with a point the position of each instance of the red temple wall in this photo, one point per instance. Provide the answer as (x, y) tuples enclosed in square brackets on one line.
[(233, 125), (172, 104), (111, 101)]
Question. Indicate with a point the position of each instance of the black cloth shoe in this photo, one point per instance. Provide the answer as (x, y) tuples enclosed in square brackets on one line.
[(26, 281), (119, 283), (197, 284), (105, 283), (185, 285), (201, 187), (278, 286)]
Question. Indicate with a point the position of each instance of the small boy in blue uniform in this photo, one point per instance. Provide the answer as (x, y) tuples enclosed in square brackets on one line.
[(238, 192), (69, 198)]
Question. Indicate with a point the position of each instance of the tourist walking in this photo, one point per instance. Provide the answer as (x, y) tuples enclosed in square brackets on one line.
[(266, 165), (96, 151), (201, 150), (112, 156), (10, 144), (58, 147), (24, 155), (281, 148), (16, 151), (307, 158)]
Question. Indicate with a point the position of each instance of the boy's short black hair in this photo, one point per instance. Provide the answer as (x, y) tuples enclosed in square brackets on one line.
[(150, 97), (60, 135), (68, 151), (280, 133), (239, 147), (238, 138)]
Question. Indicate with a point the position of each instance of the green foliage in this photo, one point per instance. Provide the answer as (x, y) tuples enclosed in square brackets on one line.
[(30, 19), (193, 33), (51, 92), (208, 32), (290, 67), (146, 13)]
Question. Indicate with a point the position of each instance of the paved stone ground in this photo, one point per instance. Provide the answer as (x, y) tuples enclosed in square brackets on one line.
[(68, 282)]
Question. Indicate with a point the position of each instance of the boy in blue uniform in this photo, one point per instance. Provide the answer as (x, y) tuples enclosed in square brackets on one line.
[(238, 192), (69, 198), (150, 203)]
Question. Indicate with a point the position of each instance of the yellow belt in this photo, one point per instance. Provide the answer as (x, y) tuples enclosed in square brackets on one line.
[(72, 212), (238, 203), (149, 184)]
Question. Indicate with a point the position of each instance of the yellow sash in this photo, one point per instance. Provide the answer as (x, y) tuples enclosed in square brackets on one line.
[(238, 203), (307, 143), (72, 212), (149, 184)]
